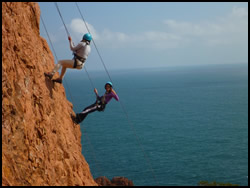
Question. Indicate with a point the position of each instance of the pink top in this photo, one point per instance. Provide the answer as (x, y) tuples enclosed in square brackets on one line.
[(109, 96)]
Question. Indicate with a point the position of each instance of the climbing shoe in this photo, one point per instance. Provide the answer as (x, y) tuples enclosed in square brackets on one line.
[(49, 75), (57, 80), (74, 119)]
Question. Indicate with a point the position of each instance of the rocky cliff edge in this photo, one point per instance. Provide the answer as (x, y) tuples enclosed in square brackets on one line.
[(40, 143)]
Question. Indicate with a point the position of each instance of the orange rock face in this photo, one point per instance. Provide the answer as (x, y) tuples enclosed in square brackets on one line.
[(40, 143)]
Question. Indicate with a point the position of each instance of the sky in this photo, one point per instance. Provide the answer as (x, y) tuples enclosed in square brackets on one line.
[(132, 35)]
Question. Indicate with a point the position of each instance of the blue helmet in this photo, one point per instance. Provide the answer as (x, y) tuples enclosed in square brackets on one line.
[(109, 83), (87, 37)]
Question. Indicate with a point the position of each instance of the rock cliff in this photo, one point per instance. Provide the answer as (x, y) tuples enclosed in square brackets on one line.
[(116, 181), (40, 143)]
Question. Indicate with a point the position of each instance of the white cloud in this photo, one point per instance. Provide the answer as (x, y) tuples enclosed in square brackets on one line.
[(192, 29), (183, 27), (113, 36), (121, 36), (237, 21), (159, 36), (160, 40), (78, 28), (232, 28), (146, 39), (240, 12)]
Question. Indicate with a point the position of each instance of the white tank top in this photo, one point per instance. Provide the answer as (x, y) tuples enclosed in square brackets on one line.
[(82, 49)]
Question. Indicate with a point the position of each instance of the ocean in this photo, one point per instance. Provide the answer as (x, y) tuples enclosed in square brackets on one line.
[(174, 125)]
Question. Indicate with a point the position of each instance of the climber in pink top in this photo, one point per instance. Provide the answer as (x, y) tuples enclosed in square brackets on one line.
[(100, 103)]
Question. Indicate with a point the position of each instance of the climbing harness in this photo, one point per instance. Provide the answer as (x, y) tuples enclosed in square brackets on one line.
[(78, 61), (100, 105), (100, 102)]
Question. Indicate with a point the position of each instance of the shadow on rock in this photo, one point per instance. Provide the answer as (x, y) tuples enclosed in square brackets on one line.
[(50, 86)]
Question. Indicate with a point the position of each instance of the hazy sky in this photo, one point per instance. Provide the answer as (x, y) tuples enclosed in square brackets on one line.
[(152, 34)]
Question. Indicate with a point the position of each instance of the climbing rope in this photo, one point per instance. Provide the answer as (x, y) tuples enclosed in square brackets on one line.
[(124, 110), (89, 77), (131, 125), (62, 18), (55, 54), (49, 37), (94, 43), (88, 140), (68, 36)]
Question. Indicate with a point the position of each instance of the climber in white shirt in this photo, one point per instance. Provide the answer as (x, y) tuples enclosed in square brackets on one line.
[(80, 51)]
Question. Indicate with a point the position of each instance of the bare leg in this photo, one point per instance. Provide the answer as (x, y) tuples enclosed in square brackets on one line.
[(64, 64)]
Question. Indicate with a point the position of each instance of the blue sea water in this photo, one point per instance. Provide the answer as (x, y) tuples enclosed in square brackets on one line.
[(183, 124)]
